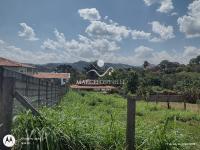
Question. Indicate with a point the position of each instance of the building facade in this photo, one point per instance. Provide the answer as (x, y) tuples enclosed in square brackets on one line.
[(16, 66)]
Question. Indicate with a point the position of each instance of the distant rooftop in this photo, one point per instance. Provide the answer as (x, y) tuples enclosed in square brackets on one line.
[(86, 87), (52, 75), (10, 63)]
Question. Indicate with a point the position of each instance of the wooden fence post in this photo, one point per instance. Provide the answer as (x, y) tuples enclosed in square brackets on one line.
[(184, 105), (130, 130), (6, 106), (168, 103), (156, 99)]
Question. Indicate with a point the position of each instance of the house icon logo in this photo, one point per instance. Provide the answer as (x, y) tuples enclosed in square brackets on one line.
[(9, 140)]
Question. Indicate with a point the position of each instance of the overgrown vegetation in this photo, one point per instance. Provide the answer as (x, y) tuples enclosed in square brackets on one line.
[(166, 78), (89, 120)]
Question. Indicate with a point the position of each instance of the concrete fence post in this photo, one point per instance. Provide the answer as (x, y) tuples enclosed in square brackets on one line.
[(27, 86), (47, 93), (55, 97), (51, 93), (39, 99), (6, 105)]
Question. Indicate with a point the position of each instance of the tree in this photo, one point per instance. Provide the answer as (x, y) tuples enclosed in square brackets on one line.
[(65, 69), (192, 61), (190, 88), (146, 64), (132, 82), (195, 61), (74, 74), (168, 67)]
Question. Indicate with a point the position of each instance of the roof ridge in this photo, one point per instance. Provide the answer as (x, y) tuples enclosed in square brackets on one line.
[(11, 63)]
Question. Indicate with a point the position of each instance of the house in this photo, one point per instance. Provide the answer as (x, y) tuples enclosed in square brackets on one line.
[(16, 66), (63, 78)]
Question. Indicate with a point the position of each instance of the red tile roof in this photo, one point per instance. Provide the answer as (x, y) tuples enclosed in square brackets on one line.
[(9, 63), (52, 75)]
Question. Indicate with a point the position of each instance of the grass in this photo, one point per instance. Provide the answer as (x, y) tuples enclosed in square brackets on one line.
[(89, 120)]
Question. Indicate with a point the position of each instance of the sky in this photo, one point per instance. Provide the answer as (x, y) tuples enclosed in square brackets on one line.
[(116, 31)]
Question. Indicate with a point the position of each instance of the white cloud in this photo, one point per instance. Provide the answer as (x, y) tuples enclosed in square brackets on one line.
[(27, 32), (140, 54), (164, 32), (98, 29), (90, 14), (188, 53), (190, 24), (49, 44), (191, 51), (165, 5), (1, 42), (73, 48), (174, 14), (155, 39), (84, 47), (102, 41), (143, 52), (27, 56), (140, 35), (150, 2), (106, 17), (113, 31)]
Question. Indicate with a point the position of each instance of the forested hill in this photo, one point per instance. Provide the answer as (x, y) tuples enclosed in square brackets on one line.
[(79, 66)]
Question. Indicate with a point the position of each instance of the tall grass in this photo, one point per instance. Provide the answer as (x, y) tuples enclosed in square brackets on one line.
[(89, 120)]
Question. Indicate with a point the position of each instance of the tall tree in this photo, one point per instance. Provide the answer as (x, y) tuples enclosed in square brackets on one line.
[(146, 64), (132, 82), (168, 67), (195, 61)]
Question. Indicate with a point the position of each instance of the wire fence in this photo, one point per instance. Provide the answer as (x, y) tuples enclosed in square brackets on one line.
[(40, 92), (20, 91)]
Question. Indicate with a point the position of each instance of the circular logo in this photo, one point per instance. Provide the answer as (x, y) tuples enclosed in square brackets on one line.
[(9, 140), (100, 63)]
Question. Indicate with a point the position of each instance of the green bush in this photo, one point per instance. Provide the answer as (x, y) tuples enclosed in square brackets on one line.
[(92, 120)]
